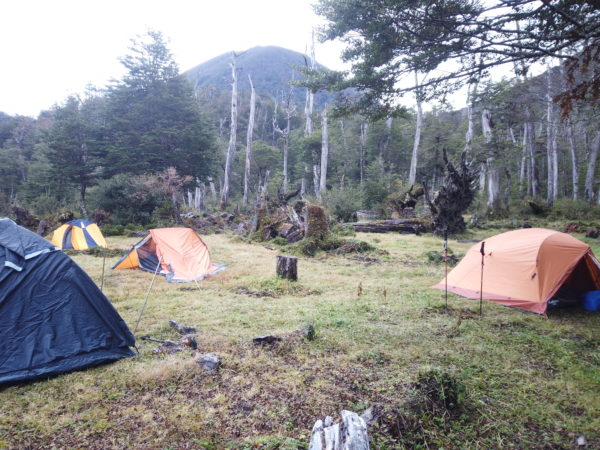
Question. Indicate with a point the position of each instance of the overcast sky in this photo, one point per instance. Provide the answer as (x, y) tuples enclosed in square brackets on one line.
[(50, 49)]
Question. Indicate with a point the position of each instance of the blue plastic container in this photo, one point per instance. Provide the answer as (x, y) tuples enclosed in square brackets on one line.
[(591, 301)]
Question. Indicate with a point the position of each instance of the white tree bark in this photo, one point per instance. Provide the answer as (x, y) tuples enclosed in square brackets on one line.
[(310, 96), (249, 137), (551, 145), (532, 167), (364, 129), (523, 166), (387, 140), (232, 133), (469, 134), (345, 151), (213, 190), (591, 169), (493, 175), (412, 173), (574, 168), (289, 110), (324, 153), (316, 180)]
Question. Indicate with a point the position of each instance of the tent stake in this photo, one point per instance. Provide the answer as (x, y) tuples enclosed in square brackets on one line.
[(446, 264), (482, 251), (147, 294)]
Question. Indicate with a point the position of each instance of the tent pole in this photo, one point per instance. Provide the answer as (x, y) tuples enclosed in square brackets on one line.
[(102, 279), (446, 264), (147, 294), (482, 251)]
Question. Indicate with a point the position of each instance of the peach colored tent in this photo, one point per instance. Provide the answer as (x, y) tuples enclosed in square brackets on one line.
[(180, 253), (525, 268)]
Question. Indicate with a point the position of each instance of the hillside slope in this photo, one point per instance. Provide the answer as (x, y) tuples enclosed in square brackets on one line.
[(271, 69)]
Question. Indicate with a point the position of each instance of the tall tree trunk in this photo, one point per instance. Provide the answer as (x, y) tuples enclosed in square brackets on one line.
[(386, 141), (591, 169), (289, 110), (308, 106), (316, 180), (493, 175), (364, 128), (551, 142), (574, 167), (249, 137), (324, 153), (82, 207), (286, 146), (213, 190), (532, 166), (524, 168), (412, 173), (232, 133), (345, 152)]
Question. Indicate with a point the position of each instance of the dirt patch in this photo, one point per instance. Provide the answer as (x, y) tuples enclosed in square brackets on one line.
[(254, 293)]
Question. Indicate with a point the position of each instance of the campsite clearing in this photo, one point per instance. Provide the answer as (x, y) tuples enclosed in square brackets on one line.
[(529, 381)]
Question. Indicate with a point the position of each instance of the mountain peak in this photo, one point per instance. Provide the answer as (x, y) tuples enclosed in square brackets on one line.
[(271, 69)]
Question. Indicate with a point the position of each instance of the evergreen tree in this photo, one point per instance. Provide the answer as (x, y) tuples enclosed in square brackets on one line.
[(153, 118), (75, 145)]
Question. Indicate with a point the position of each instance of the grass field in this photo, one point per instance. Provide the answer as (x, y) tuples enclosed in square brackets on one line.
[(529, 381)]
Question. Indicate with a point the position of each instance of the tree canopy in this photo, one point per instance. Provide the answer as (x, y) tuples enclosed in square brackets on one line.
[(456, 42)]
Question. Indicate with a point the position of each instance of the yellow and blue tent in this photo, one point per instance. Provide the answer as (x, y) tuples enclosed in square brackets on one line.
[(79, 234)]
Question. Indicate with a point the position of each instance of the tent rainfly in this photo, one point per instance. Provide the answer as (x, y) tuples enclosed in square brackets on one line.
[(177, 253), (79, 234), (525, 269), (53, 317)]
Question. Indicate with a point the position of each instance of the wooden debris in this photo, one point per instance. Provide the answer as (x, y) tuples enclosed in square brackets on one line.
[(454, 197), (351, 433), (182, 329), (414, 226), (364, 215), (287, 267), (266, 340)]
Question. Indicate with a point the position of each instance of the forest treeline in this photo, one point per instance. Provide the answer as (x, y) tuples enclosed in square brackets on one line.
[(145, 146)]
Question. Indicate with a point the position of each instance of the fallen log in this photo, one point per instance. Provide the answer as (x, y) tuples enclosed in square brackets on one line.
[(389, 226)]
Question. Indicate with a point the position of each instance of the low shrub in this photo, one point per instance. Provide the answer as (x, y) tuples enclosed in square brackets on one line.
[(113, 230)]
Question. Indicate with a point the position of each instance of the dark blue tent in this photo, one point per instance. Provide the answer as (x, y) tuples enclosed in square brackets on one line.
[(53, 317)]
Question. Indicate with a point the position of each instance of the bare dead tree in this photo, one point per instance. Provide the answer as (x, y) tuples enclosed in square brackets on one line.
[(412, 174), (289, 109), (249, 137), (324, 153), (310, 96), (591, 169), (232, 133), (364, 129)]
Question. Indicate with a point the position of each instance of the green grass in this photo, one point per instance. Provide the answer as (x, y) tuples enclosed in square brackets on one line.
[(530, 381)]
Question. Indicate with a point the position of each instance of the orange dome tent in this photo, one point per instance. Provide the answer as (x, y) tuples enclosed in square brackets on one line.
[(180, 252), (525, 268)]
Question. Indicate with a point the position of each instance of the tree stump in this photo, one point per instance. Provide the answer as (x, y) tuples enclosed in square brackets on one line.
[(287, 267)]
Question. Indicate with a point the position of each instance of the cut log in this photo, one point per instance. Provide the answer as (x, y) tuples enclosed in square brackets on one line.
[(287, 267), (389, 226)]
